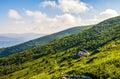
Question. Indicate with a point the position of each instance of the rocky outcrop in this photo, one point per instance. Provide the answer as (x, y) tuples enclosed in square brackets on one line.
[(76, 77), (82, 53)]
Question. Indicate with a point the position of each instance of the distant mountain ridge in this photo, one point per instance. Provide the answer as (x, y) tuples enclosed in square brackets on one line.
[(7, 41), (41, 40), (11, 39), (24, 36)]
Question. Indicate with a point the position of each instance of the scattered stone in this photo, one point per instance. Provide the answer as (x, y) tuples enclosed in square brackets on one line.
[(82, 53), (76, 77)]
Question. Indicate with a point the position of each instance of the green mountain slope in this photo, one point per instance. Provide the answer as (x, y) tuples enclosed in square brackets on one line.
[(103, 65), (41, 40), (56, 58)]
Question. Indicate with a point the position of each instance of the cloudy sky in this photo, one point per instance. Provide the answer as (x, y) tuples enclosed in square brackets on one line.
[(49, 16)]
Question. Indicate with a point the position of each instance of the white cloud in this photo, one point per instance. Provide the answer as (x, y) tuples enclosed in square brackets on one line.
[(19, 22), (45, 24), (13, 14), (29, 13), (68, 20), (108, 13), (48, 3), (40, 22), (73, 6), (68, 6), (37, 16)]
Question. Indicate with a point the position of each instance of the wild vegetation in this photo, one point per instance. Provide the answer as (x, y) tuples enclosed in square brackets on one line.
[(56, 59)]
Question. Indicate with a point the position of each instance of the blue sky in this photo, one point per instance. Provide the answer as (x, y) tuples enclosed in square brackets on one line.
[(49, 16)]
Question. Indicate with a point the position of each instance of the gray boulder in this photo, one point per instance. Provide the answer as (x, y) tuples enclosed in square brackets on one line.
[(82, 53)]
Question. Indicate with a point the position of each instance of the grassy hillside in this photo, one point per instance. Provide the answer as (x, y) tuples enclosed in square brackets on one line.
[(41, 40), (102, 65), (55, 59)]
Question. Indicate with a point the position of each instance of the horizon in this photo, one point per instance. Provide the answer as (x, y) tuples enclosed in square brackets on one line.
[(51, 16)]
